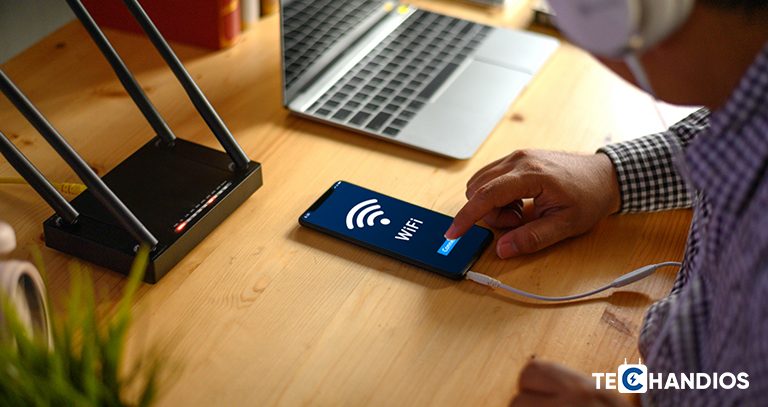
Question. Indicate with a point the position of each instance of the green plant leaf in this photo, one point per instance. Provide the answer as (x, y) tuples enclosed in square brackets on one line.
[(84, 365)]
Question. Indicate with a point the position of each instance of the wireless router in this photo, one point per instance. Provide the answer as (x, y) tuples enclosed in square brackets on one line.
[(168, 195)]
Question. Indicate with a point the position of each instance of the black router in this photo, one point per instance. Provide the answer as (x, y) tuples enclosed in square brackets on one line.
[(172, 193)]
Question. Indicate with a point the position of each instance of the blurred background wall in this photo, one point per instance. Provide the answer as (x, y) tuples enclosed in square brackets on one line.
[(24, 22)]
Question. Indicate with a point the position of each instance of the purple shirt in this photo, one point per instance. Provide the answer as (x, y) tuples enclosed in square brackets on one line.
[(714, 320)]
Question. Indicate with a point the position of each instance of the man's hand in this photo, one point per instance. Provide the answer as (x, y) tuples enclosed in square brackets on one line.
[(570, 192), (545, 384)]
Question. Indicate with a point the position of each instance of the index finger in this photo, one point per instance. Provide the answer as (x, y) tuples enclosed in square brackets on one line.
[(497, 193)]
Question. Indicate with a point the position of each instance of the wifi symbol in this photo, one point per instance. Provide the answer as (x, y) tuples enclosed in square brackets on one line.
[(364, 213)]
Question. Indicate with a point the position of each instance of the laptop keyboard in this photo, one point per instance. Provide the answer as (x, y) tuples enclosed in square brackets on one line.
[(386, 89), (311, 27)]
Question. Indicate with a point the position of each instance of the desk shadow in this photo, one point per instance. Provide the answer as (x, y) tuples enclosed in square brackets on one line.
[(378, 262), (350, 252), (477, 309)]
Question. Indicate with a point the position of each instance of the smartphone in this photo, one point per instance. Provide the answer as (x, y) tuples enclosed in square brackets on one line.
[(395, 228)]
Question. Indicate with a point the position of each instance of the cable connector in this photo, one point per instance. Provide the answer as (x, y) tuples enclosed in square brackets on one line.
[(66, 188), (484, 280), (70, 188)]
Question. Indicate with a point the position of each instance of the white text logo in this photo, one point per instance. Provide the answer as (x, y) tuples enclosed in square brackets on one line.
[(635, 378)]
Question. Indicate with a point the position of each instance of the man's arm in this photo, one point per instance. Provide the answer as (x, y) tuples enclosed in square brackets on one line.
[(570, 193), (645, 169)]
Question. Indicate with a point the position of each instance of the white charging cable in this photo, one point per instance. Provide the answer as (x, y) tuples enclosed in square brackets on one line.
[(626, 279)]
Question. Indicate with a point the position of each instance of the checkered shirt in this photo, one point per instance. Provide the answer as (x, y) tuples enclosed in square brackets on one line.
[(714, 319)]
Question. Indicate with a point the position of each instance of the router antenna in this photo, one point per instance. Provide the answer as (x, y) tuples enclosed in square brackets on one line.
[(37, 181), (126, 78), (202, 105), (97, 187)]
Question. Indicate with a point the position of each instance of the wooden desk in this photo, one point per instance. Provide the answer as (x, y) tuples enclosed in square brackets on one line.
[(264, 312)]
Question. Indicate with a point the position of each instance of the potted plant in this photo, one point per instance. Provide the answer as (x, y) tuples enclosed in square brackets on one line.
[(72, 358)]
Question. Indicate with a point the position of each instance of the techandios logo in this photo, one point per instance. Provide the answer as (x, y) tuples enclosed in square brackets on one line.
[(635, 378)]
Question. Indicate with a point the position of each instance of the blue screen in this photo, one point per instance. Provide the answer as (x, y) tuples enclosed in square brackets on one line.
[(397, 228)]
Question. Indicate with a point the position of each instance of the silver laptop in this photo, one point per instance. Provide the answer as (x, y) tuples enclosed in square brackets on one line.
[(410, 76)]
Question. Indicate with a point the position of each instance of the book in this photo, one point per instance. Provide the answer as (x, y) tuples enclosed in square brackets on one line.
[(269, 7), (250, 12), (543, 15), (212, 24)]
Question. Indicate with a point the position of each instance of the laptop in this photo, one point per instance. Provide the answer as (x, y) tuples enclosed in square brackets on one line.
[(489, 2), (406, 75)]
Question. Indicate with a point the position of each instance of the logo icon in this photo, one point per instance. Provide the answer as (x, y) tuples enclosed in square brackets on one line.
[(365, 213), (633, 378)]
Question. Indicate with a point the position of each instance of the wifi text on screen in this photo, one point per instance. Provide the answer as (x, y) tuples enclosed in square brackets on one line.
[(396, 228), (407, 231)]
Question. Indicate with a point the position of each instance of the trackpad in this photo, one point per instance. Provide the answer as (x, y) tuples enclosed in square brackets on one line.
[(484, 87), (519, 50), (467, 110)]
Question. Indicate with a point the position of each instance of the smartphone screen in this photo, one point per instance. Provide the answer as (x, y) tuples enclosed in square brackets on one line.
[(390, 226)]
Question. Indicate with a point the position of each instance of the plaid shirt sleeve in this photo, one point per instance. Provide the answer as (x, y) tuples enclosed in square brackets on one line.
[(648, 179)]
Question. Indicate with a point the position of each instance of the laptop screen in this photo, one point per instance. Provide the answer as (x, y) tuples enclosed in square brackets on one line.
[(314, 31)]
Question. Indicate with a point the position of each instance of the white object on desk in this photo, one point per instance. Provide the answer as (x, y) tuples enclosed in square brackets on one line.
[(7, 239), (250, 11), (22, 285)]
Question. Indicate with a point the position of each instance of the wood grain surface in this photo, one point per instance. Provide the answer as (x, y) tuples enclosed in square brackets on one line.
[(264, 312)]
